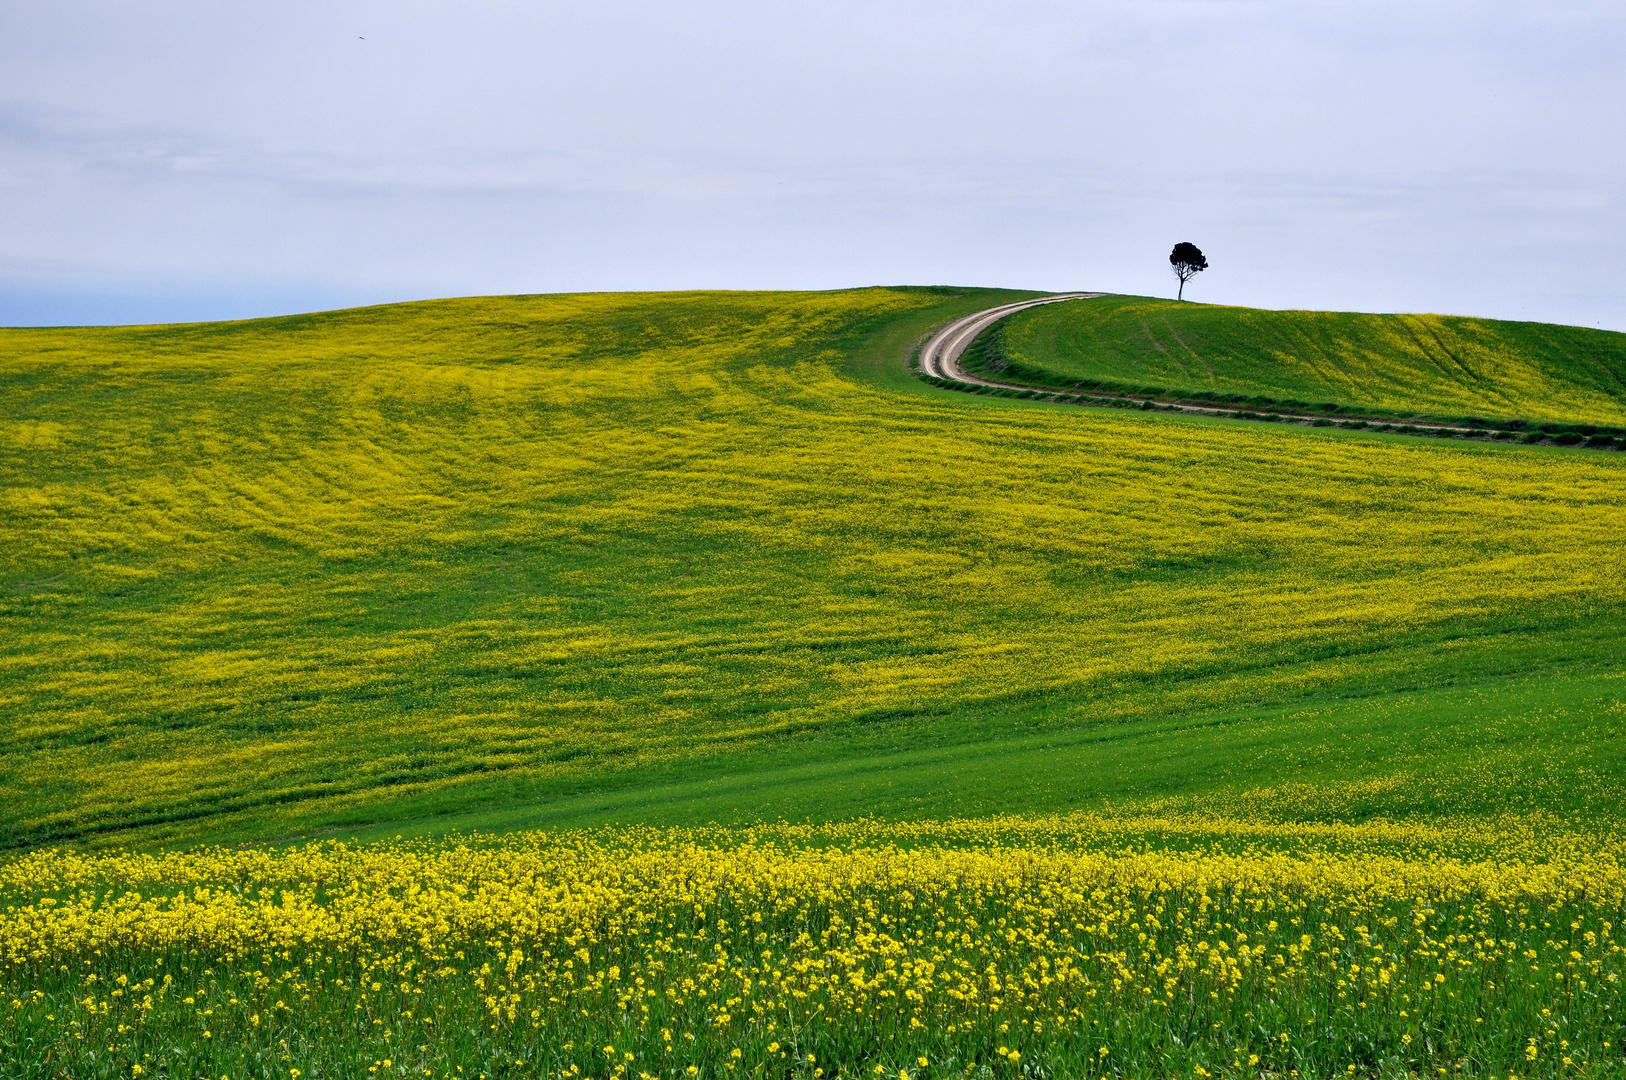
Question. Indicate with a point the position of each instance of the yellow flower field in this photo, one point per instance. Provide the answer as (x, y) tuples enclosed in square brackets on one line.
[(1342, 713), (1071, 946)]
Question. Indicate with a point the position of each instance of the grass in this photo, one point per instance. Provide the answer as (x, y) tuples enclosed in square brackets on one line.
[(1536, 745), (1007, 715), (1378, 365)]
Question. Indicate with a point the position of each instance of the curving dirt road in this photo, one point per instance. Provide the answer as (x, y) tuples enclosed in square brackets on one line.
[(940, 356)]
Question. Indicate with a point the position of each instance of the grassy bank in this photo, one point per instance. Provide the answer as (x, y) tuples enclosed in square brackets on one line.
[(1444, 367)]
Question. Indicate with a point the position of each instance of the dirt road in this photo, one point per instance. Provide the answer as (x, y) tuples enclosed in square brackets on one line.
[(940, 356)]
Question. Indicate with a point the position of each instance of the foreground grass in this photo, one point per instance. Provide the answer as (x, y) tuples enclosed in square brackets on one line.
[(333, 570), (1141, 945), (1394, 364)]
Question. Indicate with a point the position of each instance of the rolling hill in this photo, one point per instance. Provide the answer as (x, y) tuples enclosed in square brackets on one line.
[(644, 557), (676, 686)]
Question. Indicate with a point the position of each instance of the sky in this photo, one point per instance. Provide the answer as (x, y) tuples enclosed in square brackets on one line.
[(165, 161)]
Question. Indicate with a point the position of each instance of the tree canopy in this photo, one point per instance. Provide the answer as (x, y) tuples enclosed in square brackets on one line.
[(1187, 261)]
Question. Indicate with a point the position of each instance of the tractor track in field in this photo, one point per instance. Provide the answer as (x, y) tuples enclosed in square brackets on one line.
[(939, 363)]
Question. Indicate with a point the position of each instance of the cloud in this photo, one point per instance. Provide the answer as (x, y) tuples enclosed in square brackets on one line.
[(1396, 156)]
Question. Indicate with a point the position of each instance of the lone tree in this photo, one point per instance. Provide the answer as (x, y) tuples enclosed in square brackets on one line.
[(1187, 262)]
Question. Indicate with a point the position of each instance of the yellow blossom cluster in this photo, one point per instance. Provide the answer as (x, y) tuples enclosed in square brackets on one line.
[(1068, 944)]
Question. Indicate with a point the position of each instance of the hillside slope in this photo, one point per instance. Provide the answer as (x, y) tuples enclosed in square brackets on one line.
[(1429, 364), (518, 554)]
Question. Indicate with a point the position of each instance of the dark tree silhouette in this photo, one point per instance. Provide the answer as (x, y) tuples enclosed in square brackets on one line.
[(1187, 261)]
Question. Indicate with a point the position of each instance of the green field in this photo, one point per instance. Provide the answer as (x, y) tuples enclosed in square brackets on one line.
[(714, 578), (405, 560), (1432, 365)]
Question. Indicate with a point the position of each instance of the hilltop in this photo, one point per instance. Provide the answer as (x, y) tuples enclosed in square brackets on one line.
[(1485, 370)]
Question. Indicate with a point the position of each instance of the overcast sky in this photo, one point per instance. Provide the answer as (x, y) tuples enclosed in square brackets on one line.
[(167, 161)]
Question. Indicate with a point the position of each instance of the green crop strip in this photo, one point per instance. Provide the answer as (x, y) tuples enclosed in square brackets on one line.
[(1497, 380)]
